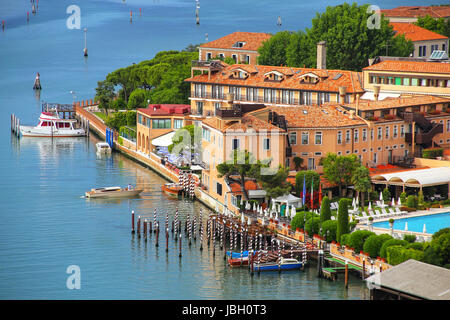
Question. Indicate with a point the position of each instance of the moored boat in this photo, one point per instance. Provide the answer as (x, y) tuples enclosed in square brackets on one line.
[(113, 192), (51, 125), (284, 264), (172, 189), (103, 147)]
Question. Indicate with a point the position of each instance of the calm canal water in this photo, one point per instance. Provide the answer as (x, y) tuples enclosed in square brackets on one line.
[(46, 225)]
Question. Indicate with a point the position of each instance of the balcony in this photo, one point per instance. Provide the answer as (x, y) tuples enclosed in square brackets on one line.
[(425, 137)]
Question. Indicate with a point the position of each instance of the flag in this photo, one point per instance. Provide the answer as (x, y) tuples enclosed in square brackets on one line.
[(312, 193), (320, 194), (304, 190)]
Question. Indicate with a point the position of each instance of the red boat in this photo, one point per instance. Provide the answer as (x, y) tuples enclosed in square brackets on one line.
[(237, 262), (172, 189)]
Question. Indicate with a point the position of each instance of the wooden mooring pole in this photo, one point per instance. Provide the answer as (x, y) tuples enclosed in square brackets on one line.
[(346, 274)]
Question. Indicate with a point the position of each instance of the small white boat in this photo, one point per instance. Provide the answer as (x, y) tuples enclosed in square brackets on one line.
[(51, 125), (113, 192), (103, 147)]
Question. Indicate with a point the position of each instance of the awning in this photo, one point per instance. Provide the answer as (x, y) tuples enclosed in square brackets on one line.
[(163, 141), (368, 95), (288, 199), (415, 178)]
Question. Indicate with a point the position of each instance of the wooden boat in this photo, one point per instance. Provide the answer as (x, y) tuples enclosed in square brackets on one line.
[(237, 262), (172, 189), (103, 147), (285, 264), (113, 192)]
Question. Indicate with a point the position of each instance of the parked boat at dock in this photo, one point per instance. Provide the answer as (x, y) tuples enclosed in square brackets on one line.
[(284, 264), (103, 147), (113, 192), (172, 189), (51, 125)]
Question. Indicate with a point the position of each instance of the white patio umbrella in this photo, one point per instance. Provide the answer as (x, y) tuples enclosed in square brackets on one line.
[(254, 206), (242, 218), (242, 201), (353, 203), (393, 202), (406, 226), (293, 212), (370, 206), (381, 196), (276, 215), (247, 206), (249, 221), (357, 200), (263, 221), (424, 228), (399, 203)]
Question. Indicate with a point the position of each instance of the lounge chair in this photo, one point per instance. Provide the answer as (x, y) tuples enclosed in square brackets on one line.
[(378, 214), (400, 213), (392, 212), (385, 213)]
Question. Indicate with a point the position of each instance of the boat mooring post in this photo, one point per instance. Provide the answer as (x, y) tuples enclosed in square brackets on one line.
[(346, 274), (279, 256), (180, 245), (149, 227), (363, 272), (139, 226), (167, 240), (132, 222), (319, 263), (201, 236), (157, 235), (145, 230)]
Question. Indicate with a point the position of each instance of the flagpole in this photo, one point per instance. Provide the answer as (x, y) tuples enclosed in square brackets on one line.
[(312, 193)]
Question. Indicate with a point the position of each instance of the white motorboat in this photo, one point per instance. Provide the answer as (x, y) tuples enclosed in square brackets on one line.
[(113, 192), (51, 125), (103, 147)]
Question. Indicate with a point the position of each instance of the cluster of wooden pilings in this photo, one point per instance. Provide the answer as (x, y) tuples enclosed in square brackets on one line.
[(220, 233)]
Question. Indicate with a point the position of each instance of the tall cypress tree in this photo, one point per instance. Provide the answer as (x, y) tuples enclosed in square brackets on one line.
[(342, 225), (325, 210)]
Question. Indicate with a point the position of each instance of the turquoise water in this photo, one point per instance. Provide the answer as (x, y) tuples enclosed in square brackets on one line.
[(433, 223), (45, 224)]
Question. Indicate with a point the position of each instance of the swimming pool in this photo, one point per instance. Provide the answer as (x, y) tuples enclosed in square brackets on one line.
[(433, 223)]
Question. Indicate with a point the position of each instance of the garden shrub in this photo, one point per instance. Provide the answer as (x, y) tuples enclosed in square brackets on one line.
[(373, 244), (299, 219), (342, 226), (391, 242), (410, 238), (357, 239), (432, 153), (412, 201), (416, 245), (312, 225), (398, 254), (344, 239), (386, 195), (331, 227), (325, 210), (403, 197)]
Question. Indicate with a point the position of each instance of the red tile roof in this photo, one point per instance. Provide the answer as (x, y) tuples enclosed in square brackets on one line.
[(411, 66), (166, 109), (329, 80), (316, 117), (418, 11), (247, 122), (252, 41), (415, 33), (400, 102)]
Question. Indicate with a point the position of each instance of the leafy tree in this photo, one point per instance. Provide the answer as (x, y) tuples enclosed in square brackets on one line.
[(420, 198), (131, 118), (350, 43), (329, 228), (309, 175), (403, 198), (298, 162), (339, 169), (361, 181), (273, 51), (409, 237), (342, 224), (386, 195), (325, 210), (438, 233), (412, 201), (276, 184), (398, 254), (438, 251), (344, 239), (138, 99), (104, 94), (242, 164), (192, 48), (438, 25)]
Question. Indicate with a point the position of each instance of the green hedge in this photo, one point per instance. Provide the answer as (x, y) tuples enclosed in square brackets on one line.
[(299, 219), (312, 226), (344, 239), (391, 242), (432, 153), (397, 254), (330, 226), (358, 238), (373, 244)]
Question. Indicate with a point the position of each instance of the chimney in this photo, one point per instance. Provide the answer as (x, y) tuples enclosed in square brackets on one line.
[(376, 92), (342, 93), (322, 55)]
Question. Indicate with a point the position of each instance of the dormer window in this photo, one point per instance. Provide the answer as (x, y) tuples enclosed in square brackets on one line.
[(239, 74), (274, 76), (239, 44), (309, 78)]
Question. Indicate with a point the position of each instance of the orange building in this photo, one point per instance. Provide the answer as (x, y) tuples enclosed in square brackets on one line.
[(241, 46), (425, 41), (412, 13)]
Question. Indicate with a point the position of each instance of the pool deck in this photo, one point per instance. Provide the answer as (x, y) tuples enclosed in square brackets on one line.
[(419, 213)]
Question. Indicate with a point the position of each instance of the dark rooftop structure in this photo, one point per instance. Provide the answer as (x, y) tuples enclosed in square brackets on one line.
[(411, 280)]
